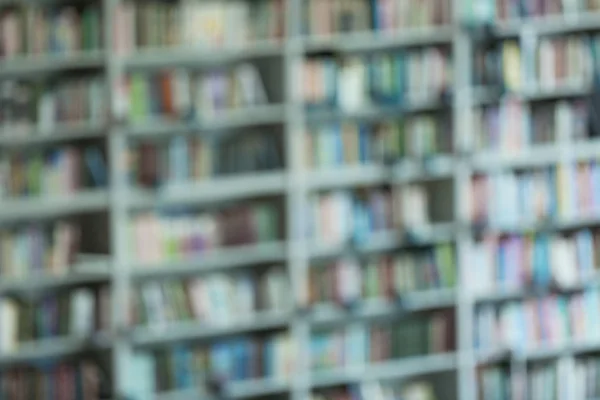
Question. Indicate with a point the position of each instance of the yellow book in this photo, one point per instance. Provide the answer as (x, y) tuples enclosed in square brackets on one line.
[(511, 65)]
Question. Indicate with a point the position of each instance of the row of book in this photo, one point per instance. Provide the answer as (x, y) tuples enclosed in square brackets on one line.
[(35, 30), (339, 216), (43, 104), (185, 159), (508, 10), (52, 172), (547, 321), (156, 237), (349, 280), (418, 390), (520, 261), (182, 93), (236, 359), (39, 249), (60, 380), (208, 24), (514, 125), (494, 383), (358, 344), (214, 299), (354, 82), (327, 17), (547, 64), (509, 198), (350, 143), (78, 312)]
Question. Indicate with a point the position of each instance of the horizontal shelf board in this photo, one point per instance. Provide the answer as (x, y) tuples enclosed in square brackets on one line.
[(54, 348), (269, 114), (405, 368), (45, 64), (41, 283), (197, 330), (574, 222), (60, 133), (374, 40), (220, 259), (387, 241), (435, 167), (540, 353), (483, 95), (548, 25), (197, 56), (371, 112), (252, 388), (213, 190), (53, 206), (411, 302), (537, 156)]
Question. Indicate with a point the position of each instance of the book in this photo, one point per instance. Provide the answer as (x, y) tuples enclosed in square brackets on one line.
[(385, 341), (347, 281), (39, 30), (415, 390), (402, 78), (213, 299)]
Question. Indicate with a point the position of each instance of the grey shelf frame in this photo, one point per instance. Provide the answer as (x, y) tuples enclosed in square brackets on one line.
[(294, 184)]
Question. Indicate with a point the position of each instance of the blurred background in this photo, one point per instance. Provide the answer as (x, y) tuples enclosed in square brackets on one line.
[(299, 199)]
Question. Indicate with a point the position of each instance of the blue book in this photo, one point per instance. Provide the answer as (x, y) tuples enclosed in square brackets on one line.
[(220, 359), (363, 144), (96, 165), (268, 358), (182, 357), (584, 243)]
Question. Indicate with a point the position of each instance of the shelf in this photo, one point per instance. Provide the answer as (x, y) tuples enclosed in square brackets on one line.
[(549, 25), (405, 368), (483, 95), (217, 260), (253, 388), (53, 206), (61, 133), (230, 188), (387, 241), (372, 112), (541, 353), (374, 41), (558, 224), (271, 114), (55, 348), (198, 330), (540, 155), (373, 309), (199, 57), (47, 64)]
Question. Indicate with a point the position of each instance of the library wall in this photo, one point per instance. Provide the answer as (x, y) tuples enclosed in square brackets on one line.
[(299, 199)]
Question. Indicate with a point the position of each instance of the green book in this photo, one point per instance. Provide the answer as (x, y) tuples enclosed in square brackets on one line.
[(445, 261), (34, 173)]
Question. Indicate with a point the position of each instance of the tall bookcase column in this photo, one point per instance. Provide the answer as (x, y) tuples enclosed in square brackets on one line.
[(462, 54), (117, 155), (296, 194)]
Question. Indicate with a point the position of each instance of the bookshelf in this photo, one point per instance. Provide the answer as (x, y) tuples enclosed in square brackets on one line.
[(313, 92)]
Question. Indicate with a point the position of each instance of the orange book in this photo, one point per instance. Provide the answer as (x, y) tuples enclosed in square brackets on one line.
[(166, 83)]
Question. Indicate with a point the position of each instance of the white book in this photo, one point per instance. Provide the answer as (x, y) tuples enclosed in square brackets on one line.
[(182, 96), (245, 290), (252, 86), (47, 112), (351, 83), (237, 14), (82, 312), (155, 305)]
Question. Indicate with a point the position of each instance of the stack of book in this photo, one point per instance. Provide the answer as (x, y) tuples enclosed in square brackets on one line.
[(52, 172), (55, 380), (181, 159), (44, 104), (156, 238), (236, 359), (513, 125), (354, 82), (205, 25), (518, 261), (494, 383), (362, 343), (38, 249), (548, 321), (78, 313), (380, 391), (339, 216), (564, 60), (214, 299), (380, 277), (510, 198), (35, 30), (348, 143), (173, 94), (327, 17)]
